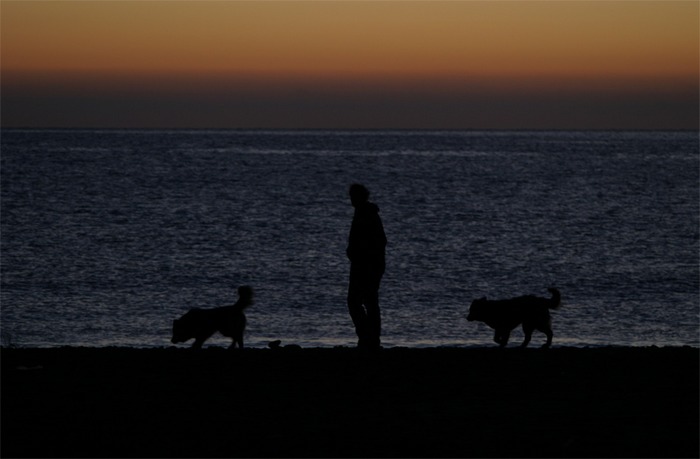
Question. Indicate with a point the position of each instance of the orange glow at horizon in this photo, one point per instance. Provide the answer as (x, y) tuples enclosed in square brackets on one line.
[(351, 64), (382, 39)]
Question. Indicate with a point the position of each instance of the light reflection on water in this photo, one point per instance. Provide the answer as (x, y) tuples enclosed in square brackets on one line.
[(108, 236)]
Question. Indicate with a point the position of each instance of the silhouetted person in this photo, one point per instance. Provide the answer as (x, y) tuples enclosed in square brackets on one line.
[(366, 246)]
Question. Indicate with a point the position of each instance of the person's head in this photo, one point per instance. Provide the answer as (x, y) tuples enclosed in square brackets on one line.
[(245, 293), (358, 194)]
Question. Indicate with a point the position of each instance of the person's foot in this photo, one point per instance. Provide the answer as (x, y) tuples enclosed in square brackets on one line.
[(369, 344)]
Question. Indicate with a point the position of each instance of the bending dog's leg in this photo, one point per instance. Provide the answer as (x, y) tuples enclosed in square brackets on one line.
[(503, 336), (200, 339), (548, 331), (496, 337)]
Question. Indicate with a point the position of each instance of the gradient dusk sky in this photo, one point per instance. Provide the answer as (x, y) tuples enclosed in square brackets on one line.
[(351, 64)]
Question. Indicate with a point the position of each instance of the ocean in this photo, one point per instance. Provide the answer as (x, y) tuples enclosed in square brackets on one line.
[(109, 235)]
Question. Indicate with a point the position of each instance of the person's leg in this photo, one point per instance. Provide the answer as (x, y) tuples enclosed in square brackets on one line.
[(371, 300), (355, 299)]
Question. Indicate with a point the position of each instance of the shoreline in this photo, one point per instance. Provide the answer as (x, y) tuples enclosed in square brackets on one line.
[(224, 343), (340, 402)]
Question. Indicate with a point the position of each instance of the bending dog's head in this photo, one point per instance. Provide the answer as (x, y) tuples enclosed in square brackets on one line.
[(179, 334), (184, 327), (478, 310)]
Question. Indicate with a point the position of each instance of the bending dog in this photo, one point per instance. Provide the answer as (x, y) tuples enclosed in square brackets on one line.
[(201, 324), (504, 315)]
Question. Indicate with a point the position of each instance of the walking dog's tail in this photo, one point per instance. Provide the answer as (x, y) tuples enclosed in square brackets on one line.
[(555, 302)]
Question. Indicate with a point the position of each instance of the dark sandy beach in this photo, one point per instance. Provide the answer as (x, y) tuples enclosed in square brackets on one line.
[(564, 402)]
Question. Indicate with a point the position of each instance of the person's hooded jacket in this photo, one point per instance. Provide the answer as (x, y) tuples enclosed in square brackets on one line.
[(367, 241)]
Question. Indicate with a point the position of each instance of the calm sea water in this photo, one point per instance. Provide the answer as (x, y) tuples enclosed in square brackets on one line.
[(107, 236)]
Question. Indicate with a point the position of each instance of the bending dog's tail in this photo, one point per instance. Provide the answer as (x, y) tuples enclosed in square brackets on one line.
[(555, 301)]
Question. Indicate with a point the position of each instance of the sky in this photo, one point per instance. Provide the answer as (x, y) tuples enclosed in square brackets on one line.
[(558, 64)]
